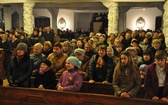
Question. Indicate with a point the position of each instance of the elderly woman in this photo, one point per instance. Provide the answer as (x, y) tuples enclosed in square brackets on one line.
[(37, 57), (80, 54)]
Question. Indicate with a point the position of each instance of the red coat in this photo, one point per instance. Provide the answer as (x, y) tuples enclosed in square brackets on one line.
[(151, 82)]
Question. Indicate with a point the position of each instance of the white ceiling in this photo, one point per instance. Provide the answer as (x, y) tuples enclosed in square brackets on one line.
[(82, 4), (71, 1)]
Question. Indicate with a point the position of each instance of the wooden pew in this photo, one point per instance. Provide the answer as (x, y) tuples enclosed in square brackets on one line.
[(99, 88), (32, 96)]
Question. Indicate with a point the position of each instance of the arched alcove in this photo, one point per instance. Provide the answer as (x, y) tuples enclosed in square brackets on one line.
[(42, 21), (147, 13), (15, 19), (99, 22)]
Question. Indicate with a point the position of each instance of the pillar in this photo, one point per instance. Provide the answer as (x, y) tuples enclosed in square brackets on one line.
[(165, 21), (28, 17), (54, 13), (112, 17)]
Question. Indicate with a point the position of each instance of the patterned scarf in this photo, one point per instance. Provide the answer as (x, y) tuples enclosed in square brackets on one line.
[(42, 71), (100, 62)]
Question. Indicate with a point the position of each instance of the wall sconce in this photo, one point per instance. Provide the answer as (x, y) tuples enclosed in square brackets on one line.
[(61, 23), (140, 23)]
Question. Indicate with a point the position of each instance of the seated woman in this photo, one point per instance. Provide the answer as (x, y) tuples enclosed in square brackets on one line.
[(147, 59), (20, 68), (126, 77), (47, 49), (80, 54), (71, 79), (67, 48), (45, 78)]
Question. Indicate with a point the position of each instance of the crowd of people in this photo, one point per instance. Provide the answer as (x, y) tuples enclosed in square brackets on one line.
[(129, 60)]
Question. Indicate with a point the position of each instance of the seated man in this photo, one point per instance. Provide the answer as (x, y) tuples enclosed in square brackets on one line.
[(57, 59), (101, 67)]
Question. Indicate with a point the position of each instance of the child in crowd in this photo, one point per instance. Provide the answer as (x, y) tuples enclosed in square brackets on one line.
[(45, 79), (126, 77), (156, 81), (142, 69), (71, 79)]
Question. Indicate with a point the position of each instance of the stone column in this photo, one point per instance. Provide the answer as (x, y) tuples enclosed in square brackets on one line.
[(113, 15), (165, 21), (28, 17), (54, 13)]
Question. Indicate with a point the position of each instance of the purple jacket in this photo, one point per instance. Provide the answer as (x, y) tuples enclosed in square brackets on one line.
[(151, 82), (70, 80)]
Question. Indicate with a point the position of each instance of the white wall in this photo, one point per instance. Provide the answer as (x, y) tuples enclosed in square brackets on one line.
[(43, 12), (68, 15), (149, 14)]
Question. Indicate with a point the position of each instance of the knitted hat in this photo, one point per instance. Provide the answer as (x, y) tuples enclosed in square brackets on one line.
[(74, 61), (143, 67), (156, 41), (131, 49), (73, 40), (22, 46), (79, 50), (47, 62), (134, 40)]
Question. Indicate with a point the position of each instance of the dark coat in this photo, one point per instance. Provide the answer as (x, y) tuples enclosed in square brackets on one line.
[(151, 82), (14, 44), (19, 72), (48, 80), (49, 36), (36, 39), (7, 48), (124, 83), (102, 74), (37, 59)]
